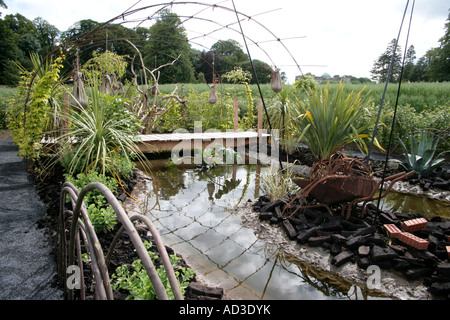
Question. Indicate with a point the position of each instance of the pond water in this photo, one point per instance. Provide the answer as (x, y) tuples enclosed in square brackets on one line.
[(195, 213)]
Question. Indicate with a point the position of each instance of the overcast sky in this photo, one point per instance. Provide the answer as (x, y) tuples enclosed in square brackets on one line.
[(337, 37)]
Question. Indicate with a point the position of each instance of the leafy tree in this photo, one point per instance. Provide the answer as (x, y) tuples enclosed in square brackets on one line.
[(409, 67), (438, 68), (168, 41), (103, 64), (3, 5), (418, 73), (381, 66), (231, 55), (262, 69), (47, 35), (19, 39), (8, 54)]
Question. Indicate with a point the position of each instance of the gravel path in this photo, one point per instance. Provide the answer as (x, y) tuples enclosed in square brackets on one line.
[(27, 265)]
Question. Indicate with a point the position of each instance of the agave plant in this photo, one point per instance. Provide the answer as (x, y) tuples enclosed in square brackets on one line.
[(326, 121), (421, 159)]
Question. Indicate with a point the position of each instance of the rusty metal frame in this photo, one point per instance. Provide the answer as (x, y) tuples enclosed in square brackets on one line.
[(340, 165), (81, 224)]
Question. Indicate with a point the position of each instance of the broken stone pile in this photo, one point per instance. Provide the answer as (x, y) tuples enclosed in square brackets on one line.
[(439, 180), (411, 244)]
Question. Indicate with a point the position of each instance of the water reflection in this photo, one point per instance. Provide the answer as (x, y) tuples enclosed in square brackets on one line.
[(194, 212), (398, 202)]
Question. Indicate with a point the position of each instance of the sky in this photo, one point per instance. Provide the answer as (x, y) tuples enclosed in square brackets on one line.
[(338, 37)]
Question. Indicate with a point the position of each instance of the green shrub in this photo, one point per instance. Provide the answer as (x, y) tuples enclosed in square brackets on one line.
[(101, 214), (137, 281)]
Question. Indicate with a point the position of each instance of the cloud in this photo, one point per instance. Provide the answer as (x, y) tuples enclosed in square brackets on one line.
[(346, 36)]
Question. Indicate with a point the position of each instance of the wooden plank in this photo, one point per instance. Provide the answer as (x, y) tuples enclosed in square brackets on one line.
[(171, 141)]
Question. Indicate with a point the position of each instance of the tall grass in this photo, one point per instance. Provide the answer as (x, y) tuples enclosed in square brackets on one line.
[(419, 95)]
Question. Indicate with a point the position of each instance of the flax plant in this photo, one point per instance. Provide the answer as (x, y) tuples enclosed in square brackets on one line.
[(327, 122)]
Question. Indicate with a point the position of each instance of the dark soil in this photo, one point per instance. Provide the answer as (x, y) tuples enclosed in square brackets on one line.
[(49, 188)]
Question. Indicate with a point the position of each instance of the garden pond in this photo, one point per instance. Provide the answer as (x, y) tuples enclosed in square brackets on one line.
[(196, 213)]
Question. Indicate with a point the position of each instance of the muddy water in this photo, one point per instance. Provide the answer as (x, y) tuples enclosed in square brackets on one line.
[(398, 202), (195, 212)]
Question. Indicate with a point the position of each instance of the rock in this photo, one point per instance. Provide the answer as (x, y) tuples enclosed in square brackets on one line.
[(415, 273), (303, 236), (400, 264), (381, 254), (318, 241), (385, 218), (440, 288), (122, 197), (295, 221), (348, 234), (342, 258), (335, 249), (377, 239), (274, 220), (331, 225), (444, 185), (355, 242), (272, 205), (266, 215), (364, 262), (363, 251), (290, 230), (364, 231), (277, 215), (445, 225), (433, 243), (400, 250), (384, 264), (413, 261), (338, 238), (443, 270), (427, 257), (201, 290), (349, 226)]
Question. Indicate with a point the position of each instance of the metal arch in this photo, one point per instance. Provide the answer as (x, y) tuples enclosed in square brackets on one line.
[(168, 4), (81, 222), (86, 36)]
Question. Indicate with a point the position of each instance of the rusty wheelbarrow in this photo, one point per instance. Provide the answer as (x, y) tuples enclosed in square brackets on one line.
[(344, 189)]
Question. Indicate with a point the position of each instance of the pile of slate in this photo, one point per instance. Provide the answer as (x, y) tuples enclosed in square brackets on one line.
[(361, 241)]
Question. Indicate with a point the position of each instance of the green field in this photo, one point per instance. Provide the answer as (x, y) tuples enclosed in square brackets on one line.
[(421, 95)]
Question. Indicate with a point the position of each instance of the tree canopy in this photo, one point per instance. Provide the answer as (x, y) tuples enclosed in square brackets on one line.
[(433, 66)]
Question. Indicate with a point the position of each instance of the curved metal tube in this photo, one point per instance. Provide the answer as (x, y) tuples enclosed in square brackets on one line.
[(100, 269), (96, 250), (161, 249)]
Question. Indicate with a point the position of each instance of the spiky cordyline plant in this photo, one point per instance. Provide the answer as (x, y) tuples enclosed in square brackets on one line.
[(101, 135)]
